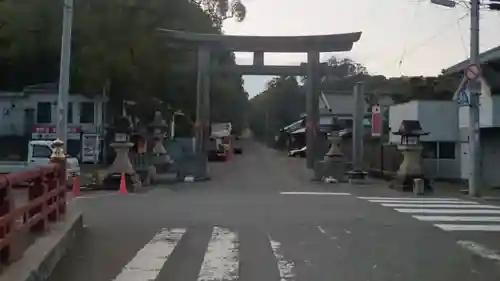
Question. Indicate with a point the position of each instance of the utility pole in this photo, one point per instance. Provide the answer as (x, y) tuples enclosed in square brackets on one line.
[(64, 73), (474, 89)]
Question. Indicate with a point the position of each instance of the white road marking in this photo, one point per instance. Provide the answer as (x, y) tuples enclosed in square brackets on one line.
[(447, 211), (479, 250), (466, 206), (423, 202), (321, 229), (468, 227), (221, 259), (315, 193), (285, 267), (411, 198), (458, 218), (147, 263)]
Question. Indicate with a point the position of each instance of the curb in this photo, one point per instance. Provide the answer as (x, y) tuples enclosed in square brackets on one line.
[(42, 256)]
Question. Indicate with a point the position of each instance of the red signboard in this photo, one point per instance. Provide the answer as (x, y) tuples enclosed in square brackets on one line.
[(49, 129), (376, 121)]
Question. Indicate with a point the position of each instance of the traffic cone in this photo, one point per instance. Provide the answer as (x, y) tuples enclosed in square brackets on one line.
[(123, 185), (76, 187)]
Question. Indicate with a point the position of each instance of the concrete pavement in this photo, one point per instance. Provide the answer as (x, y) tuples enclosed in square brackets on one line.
[(260, 219)]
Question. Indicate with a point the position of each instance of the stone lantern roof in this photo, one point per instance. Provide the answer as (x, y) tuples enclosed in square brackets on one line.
[(410, 128)]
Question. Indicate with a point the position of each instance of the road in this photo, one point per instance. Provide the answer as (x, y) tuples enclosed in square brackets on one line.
[(260, 219)]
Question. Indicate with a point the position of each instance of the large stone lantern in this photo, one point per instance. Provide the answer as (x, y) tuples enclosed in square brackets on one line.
[(411, 167), (122, 165), (333, 165), (159, 128)]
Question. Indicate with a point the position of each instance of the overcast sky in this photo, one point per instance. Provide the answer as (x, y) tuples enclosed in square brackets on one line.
[(400, 37)]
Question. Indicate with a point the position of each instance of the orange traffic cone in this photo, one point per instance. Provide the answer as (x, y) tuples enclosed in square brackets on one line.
[(76, 187), (123, 185)]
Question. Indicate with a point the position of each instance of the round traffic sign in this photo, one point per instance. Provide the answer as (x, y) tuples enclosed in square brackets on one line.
[(473, 71)]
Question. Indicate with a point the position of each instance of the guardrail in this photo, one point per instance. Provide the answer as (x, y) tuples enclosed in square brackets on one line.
[(46, 203)]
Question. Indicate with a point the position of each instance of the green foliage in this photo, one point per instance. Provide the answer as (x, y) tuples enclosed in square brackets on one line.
[(279, 105), (116, 45)]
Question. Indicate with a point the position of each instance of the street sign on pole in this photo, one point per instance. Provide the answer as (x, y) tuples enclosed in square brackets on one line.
[(462, 97), (473, 72)]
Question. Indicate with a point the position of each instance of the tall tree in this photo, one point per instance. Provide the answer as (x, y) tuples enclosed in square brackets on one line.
[(116, 44)]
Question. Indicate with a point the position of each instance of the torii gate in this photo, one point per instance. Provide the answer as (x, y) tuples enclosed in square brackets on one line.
[(312, 45)]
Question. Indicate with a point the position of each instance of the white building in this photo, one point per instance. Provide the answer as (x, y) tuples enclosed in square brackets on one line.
[(489, 118), (23, 112), (33, 112)]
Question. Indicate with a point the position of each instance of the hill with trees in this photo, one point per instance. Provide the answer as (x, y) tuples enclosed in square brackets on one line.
[(117, 46)]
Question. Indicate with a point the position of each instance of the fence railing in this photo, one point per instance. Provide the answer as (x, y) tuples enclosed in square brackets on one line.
[(45, 204)]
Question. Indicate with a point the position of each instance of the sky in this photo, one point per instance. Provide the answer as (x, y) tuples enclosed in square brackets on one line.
[(399, 37)]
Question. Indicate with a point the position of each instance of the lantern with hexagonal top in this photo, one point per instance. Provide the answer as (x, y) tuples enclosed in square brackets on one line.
[(411, 167), (122, 165)]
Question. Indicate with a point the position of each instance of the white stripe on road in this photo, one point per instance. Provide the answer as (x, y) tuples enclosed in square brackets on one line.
[(468, 227), (458, 218), (447, 211), (147, 263), (424, 202), (285, 267), (315, 193), (479, 250), (466, 206), (411, 198), (221, 258)]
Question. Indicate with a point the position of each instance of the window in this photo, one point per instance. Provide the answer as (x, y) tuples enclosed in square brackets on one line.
[(446, 150), (429, 149), (44, 113), (438, 150), (70, 112), (41, 151), (87, 112)]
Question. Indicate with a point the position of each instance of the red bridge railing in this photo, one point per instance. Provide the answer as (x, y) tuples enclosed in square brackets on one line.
[(46, 203)]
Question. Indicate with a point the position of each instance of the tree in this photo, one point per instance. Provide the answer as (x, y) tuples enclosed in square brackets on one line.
[(279, 105), (116, 45), (220, 10)]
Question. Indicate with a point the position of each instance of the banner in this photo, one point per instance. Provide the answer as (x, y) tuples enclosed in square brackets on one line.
[(376, 121)]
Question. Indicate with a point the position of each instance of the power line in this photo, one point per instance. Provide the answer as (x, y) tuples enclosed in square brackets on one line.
[(430, 38), (414, 18)]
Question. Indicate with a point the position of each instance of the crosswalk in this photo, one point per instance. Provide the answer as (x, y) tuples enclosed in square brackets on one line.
[(449, 214), (220, 262)]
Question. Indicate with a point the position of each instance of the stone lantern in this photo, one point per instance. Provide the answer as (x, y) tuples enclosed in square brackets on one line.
[(411, 167), (159, 128), (333, 165), (122, 165)]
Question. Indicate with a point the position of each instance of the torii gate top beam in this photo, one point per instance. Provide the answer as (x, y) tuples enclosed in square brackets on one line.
[(277, 44)]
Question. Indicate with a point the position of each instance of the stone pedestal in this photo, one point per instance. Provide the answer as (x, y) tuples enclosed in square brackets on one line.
[(122, 165), (410, 169)]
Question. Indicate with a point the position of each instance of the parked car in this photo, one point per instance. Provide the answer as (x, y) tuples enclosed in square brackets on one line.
[(39, 152), (217, 151), (298, 152)]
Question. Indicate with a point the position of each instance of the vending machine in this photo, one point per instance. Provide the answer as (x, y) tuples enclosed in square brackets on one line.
[(91, 148)]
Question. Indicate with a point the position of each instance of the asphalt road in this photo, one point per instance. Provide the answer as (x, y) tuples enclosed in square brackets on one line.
[(242, 226)]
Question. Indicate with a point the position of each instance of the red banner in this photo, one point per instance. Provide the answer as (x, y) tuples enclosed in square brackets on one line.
[(376, 121)]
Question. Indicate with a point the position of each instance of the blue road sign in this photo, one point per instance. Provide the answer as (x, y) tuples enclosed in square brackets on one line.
[(463, 99)]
